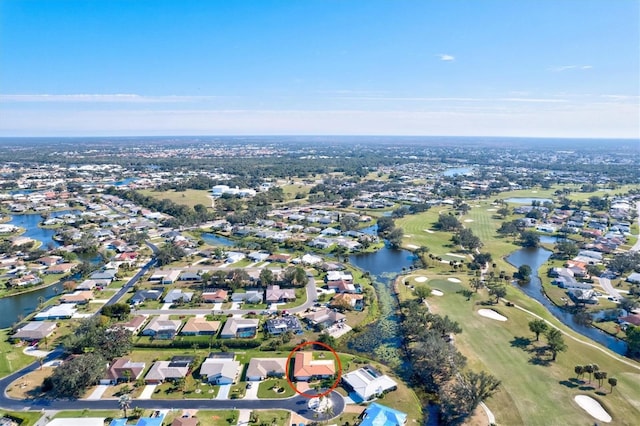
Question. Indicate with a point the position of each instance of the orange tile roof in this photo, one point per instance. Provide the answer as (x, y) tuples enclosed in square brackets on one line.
[(306, 366)]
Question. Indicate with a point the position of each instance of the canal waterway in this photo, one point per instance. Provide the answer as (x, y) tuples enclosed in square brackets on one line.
[(30, 223), (535, 258)]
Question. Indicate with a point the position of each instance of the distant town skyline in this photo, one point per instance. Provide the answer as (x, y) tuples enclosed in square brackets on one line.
[(540, 68)]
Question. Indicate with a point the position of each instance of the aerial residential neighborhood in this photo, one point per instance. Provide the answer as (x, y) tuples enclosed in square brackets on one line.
[(211, 308), (319, 213)]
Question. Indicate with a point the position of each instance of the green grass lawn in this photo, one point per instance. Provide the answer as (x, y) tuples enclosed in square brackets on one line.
[(11, 357), (217, 417), (189, 197), (533, 391), (272, 417), (266, 389), (26, 418)]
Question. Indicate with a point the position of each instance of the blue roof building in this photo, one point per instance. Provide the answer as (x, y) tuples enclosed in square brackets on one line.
[(379, 415)]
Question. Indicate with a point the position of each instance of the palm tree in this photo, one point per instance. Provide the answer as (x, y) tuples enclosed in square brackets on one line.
[(125, 403), (613, 382), (579, 370), (589, 369), (555, 342), (600, 376)]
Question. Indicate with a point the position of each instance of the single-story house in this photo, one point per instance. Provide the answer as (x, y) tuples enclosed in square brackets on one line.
[(250, 296), (634, 278), (356, 301), (341, 286), (185, 421), (123, 370), (107, 274), (190, 276), (368, 383), (258, 256), (177, 295), (214, 296), (381, 415), (306, 368), (175, 369), (196, 326), (277, 326), (162, 328), (63, 311), (142, 295), (324, 317), (60, 268), (134, 324), (234, 256), (239, 328), (275, 294), (35, 330), (221, 371), (79, 297), (261, 368)]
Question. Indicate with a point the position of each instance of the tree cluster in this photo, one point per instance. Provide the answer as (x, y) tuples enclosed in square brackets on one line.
[(437, 367), (387, 229)]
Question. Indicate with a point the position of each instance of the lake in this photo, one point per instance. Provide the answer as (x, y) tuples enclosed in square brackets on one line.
[(535, 258), (30, 223), (216, 240), (527, 200), (457, 171), (24, 304)]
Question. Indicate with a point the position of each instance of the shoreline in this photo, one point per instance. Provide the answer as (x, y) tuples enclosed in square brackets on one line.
[(32, 289)]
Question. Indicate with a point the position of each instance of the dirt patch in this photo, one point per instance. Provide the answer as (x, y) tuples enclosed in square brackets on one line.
[(29, 385)]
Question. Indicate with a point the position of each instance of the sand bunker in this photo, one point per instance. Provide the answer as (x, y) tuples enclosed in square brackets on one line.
[(437, 292), (454, 280), (412, 246), (421, 279), (534, 192), (428, 231), (468, 220), (492, 210), (491, 314), (592, 407)]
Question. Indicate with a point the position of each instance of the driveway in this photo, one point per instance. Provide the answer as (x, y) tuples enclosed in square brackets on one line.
[(244, 417), (253, 392), (147, 392), (224, 391), (97, 392), (606, 285)]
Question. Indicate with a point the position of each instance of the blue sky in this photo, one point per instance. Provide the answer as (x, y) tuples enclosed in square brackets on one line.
[(544, 68)]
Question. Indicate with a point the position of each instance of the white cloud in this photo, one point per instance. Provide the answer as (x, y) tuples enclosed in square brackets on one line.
[(446, 58), (570, 67)]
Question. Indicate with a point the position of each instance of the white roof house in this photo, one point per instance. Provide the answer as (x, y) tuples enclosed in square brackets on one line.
[(368, 382), (220, 371)]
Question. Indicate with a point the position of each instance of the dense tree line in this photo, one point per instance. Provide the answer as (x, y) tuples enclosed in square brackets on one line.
[(437, 367)]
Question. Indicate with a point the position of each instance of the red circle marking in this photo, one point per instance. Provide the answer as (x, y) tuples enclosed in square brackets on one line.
[(293, 386)]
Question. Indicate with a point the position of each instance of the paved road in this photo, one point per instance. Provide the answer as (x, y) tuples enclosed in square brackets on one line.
[(311, 297), (606, 284), (296, 404)]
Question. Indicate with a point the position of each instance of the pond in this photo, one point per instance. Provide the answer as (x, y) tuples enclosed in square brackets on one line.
[(217, 240), (535, 258), (527, 200), (457, 171)]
